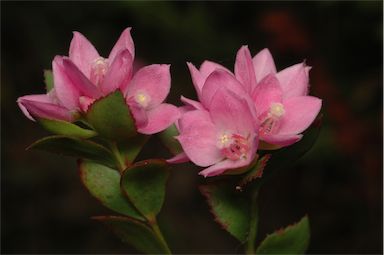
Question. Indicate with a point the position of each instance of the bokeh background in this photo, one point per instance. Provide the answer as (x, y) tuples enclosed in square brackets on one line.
[(339, 183)]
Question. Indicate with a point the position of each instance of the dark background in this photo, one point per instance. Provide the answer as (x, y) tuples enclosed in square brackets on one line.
[(45, 209)]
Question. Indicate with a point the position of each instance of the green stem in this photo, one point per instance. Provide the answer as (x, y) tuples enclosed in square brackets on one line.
[(159, 235), (250, 249), (117, 155)]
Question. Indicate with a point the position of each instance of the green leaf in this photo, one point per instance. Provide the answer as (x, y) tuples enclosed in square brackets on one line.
[(168, 138), (230, 208), (111, 118), (131, 148), (144, 184), (65, 128), (48, 79), (256, 171), (286, 157), (75, 147), (291, 240), (104, 184), (136, 233)]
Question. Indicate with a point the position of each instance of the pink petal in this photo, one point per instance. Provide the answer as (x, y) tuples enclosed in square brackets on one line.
[(139, 113), (294, 80), (199, 76), (66, 92), (207, 67), (282, 140), (154, 81), (198, 138), (119, 73), (223, 166), (82, 53), (42, 106), (300, 112), (179, 158), (268, 91), (160, 118), (244, 71), (78, 79), (263, 64), (231, 114), (219, 79), (228, 164), (124, 42), (85, 102), (195, 104)]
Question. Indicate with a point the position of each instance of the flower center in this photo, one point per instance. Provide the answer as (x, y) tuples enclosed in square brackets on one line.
[(98, 70), (234, 147), (142, 99), (270, 122)]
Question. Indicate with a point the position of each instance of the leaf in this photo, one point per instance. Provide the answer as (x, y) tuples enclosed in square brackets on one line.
[(256, 171), (65, 128), (135, 233), (104, 184), (168, 138), (75, 147), (48, 79), (111, 118), (144, 184), (292, 240), (131, 148), (286, 157), (230, 208)]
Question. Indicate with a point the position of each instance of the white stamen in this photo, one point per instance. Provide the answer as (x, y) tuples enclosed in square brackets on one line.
[(142, 99)]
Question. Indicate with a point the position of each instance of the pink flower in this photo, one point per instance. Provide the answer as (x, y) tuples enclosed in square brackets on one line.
[(85, 76), (82, 78), (282, 105), (280, 98), (221, 138), (145, 95)]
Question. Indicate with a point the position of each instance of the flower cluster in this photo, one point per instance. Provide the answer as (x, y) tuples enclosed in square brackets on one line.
[(237, 113), (84, 77), (253, 108)]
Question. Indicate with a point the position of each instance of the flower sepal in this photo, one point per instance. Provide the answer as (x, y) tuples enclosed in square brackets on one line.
[(111, 118)]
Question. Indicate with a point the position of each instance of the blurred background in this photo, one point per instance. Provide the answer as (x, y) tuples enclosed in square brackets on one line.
[(339, 183)]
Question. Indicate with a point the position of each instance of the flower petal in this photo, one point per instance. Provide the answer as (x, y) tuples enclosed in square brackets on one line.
[(300, 112), (263, 64), (219, 79), (294, 80), (231, 114), (139, 113), (244, 70), (195, 104), (223, 166), (179, 158), (282, 140), (42, 106), (160, 118), (119, 73), (66, 92), (198, 138), (153, 81), (199, 76), (266, 92), (124, 42), (78, 79), (82, 53)]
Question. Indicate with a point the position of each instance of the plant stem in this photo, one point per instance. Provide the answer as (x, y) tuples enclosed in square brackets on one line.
[(159, 235), (250, 249), (117, 155)]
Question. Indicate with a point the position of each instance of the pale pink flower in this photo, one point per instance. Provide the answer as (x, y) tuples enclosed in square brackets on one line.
[(221, 138), (282, 105), (85, 76)]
